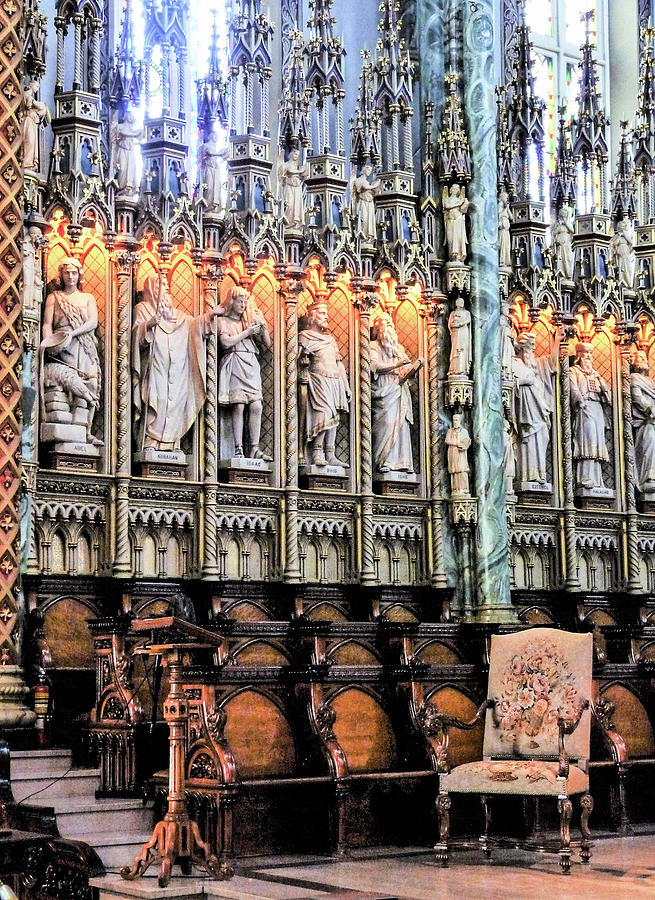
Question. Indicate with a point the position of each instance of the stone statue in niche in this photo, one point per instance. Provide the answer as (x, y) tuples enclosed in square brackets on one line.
[(458, 442), (391, 400), (70, 367), (504, 221), (562, 232), (622, 252), (590, 394), (125, 139), (642, 389), (362, 201), (169, 371), (35, 113), (212, 155), (534, 403), (328, 391), (459, 326), (455, 206), (291, 175), (242, 335), (509, 457), (33, 241), (507, 342)]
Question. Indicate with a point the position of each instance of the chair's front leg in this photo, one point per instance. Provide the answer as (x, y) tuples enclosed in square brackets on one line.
[(587, 806), (565, 812), (443, 814), (484, 840)]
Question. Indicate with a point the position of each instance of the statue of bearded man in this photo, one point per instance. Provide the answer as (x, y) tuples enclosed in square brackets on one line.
[(589, 395), (391, 398)]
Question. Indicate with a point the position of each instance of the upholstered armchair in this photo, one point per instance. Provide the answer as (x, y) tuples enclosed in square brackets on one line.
[(536, 736)]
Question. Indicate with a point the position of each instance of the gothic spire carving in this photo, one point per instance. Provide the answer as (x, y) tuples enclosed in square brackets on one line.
[(365, 124), (563, 179), (624, 201), (294, 105), (525, 117), (454, 153), (126, 73), (644, 135), (212, 101), (324, 57), (393, 90)]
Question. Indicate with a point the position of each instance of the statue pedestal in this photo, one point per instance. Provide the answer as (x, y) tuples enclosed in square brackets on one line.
[(595, 498), (395, 483), (536, 490), (244, 470), (161, 463), (69, 448), (459, 391), (319, 478), (13, 691), (458, 277)]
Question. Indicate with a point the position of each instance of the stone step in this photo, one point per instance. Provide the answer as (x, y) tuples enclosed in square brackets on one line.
[(76, 783), (119, 848), (39, 763), (112, 887), (80, 819)]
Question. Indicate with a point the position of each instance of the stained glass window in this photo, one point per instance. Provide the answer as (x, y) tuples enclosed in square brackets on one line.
[(539, 16)]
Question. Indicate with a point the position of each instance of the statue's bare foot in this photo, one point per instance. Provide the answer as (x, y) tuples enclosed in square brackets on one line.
[(238, 450), (259, 454), (318, 458), (333, 460), (94, 441), (383, 469)]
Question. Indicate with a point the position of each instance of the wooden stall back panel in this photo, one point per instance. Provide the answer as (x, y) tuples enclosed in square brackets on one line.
[(260, 653), (537, 617), (364, 731), (464, 746), (326, 612), (68, 636), (352, 653), (247, 612), (438, 654), (400, 613), (260, 736), (631, 721)]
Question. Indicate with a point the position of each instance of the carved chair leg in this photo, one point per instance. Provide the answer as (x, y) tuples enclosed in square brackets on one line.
[(443, 814), (565, 811), (484, 840), (339, 837), (587, 806), (624, 816)]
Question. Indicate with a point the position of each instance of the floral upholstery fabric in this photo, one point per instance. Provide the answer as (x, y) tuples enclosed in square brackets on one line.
[(530, 777), (535, 676)]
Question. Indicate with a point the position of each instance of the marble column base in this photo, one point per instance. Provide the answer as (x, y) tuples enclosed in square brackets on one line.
[(13, 692), (496, 614), (244, 470)]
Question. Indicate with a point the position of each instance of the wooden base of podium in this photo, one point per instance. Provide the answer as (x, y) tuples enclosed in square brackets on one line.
[(176, 839)]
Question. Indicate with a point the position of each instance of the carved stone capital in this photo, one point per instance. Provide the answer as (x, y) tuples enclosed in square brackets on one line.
[(464, 511)]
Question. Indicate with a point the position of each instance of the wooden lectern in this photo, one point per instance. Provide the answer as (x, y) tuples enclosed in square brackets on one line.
[(177, 837)]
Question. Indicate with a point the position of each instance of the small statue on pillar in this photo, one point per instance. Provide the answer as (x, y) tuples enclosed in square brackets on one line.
[(125, 138), (34, 114), (33, 242), (362, 201), (70, 373), (328, 392), (504, 240), (622, 253), (242, 336), (642, 389), (458, 442), (211, 160), (459, 326), (291, 175), (455, 206), (562, 232)]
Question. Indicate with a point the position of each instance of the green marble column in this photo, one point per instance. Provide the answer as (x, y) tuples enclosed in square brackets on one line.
[(491, 559)]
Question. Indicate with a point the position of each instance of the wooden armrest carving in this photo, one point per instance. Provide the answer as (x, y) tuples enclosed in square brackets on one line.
[(435, 724), (602, 712), (446, 721), (567, 726)]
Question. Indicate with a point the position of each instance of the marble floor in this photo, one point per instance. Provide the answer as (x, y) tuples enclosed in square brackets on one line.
[(620, 868)]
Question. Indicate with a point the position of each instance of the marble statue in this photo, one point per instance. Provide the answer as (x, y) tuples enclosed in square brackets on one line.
[(35, 113), (507, 341), (455, 205), (328, 393), (642, 389), (212, 155), (509, 457), (291, 175), (362, 201), (504, 220), (562, 232), (126, 136), (391, 400), (168, 367), (459, 326), (622, 252), (70, 367), (589, 395), (242, 334), (458, 442), (32, 275), (534, 403)]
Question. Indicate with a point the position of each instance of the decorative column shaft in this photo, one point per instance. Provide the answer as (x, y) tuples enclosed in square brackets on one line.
[(61, 32), (77, 77), (367, 301), (210, 566), (181, 92), (96, 31), (436, 465), (634, 584), (292, 559), (125, 261), (492, 561), (570, 544)]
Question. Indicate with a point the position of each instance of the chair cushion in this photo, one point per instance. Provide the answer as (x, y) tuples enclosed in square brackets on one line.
[(513, 776)]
